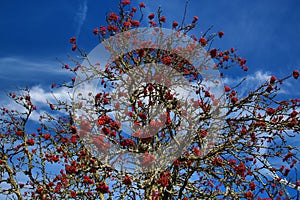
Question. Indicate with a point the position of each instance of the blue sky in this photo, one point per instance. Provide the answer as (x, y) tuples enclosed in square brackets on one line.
[(34, 33)]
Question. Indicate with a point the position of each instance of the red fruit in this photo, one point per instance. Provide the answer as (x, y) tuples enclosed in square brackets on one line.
[(217, 162), (51, 106), (197, 151), (207, 94), (46, 136), (103, 188), (252, 185), (126, 2), (272, 79), (195, 19), (294, 113), (233, 93), (234, 100), (244, 131), (221, 33), (225, 58), (167, 60), (30, 142), (127, 180), (151, 16), (243, 62), (249, 195), (232, 161), (104, 120), (296, 74), (112, 28), (74, 139), (102, 28), (133, 9), (20, 133), (143, 116), (73, 40), (163, 19), (269, 88), (113, 16), (53, 85), (135, 22), (73, 129), (203, 41), (175, 24), (73, 194), (105, 101), (213, 53), (203, 133), (126, 24), (142, 5), (271, 111), (152, 23), (227, 89), (74, 47), (286, 173), (96, 31)]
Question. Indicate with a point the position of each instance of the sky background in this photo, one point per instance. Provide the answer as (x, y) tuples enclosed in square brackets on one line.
[(34, 33)]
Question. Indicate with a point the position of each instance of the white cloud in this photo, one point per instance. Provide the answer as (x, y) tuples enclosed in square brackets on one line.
[(19, 65), (252, 81), (81, 15), (39, 98), (257, 78)]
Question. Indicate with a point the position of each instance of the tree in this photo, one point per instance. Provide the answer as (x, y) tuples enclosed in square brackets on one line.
[(149, 118)]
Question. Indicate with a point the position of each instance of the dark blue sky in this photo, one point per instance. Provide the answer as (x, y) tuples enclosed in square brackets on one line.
[(34, 33)]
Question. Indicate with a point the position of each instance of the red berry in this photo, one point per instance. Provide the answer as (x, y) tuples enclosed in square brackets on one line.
[(175, 24), (73, 40), (126, 2), (96, 31), (195, 19), (221, 33), (203, 41), (272, 79), (227, 89), (234, 100), (142, 5), (74, 47), (151, 16), (163, 19), (296, 74)]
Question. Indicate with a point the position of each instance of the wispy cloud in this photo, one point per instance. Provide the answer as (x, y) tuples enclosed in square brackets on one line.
[(81, 15), (22, 72), (21, 64), (252, 81), (40, 98)]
